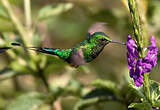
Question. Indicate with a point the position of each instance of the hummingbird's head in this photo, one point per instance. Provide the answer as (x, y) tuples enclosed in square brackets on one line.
[(99, 38)]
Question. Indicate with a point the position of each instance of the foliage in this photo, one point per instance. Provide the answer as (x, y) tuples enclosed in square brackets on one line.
[(33, 81)]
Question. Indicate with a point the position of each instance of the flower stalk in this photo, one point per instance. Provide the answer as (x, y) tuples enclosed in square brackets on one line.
[(139, 36), (146, 86)]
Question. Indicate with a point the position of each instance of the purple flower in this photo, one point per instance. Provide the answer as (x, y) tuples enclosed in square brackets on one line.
[(132, 52), (139, 80), (146, 67), (132, 46), (138, 66), (131, 60), (151, 56)]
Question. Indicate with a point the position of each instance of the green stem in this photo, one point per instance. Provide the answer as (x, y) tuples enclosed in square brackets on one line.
[(146, 86), (28, 20), (41, 75), (27, 10)]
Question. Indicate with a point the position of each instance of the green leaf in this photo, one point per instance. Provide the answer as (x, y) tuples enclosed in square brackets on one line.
[(138, 91), (29, 101), (154, 91), (109, 85), (141, 106), (104, 84), (95, 96), (51, 11), (85, 103), (101, 93), (6, 73), (156, 103), (105, 91)]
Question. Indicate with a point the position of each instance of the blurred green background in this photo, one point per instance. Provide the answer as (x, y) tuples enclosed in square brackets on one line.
[(62, 24)]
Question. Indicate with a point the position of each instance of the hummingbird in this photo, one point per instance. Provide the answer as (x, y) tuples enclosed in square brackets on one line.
[(82, 53)]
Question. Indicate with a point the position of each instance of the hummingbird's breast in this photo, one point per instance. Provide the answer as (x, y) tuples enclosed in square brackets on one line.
[(91, 52)]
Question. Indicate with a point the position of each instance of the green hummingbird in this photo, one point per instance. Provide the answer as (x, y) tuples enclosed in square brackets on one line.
[(82, 53)]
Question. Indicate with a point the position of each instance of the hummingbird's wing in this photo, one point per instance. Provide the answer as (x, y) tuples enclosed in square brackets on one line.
[(77, 58), (96, 27)]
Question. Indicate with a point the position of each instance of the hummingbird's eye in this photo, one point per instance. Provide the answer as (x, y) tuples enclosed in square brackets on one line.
[(103, 39)]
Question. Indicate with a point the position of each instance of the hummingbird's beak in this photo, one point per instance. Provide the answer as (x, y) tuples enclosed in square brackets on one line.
[(117, 42)]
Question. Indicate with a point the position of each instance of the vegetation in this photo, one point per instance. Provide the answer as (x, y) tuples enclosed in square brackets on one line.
[(34, 81)]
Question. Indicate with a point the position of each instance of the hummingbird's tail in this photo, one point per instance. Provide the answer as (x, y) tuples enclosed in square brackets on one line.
[(117, 42), (38, 49), (62, 53)]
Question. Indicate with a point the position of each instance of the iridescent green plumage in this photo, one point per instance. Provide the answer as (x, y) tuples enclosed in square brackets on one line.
[(62, 53)]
